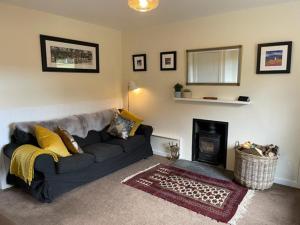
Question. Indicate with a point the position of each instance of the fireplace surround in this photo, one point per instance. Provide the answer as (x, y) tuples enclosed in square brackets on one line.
[(209, 142)]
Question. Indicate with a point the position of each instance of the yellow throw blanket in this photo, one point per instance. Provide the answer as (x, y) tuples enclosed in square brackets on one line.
[(22, 162)]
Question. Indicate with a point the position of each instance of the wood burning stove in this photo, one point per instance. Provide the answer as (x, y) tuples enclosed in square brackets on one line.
[(210, 141)]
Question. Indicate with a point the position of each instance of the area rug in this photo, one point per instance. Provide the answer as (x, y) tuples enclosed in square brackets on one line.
[(223, 201)]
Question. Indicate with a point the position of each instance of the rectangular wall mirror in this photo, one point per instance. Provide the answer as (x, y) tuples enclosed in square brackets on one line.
[(214, 66)]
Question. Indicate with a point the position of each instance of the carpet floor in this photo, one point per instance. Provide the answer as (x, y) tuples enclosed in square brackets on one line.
[(108, 202)]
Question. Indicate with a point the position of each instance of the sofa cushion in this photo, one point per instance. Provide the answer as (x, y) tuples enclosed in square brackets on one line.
[(104, 135), (130, 116), (103, 151), (93, 137), (69, 141), (130, 144), (51, 141), (74, 163), (22, 138), (120, 127)]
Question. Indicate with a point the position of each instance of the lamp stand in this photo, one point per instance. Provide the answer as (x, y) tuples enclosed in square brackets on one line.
[(128, 93)]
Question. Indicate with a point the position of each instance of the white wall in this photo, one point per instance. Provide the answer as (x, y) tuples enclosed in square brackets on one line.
[(27, 93), (273, 116)]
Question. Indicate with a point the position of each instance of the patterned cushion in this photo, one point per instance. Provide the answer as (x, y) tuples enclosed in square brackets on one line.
[(69, 141), (120, 127), (130, 116)]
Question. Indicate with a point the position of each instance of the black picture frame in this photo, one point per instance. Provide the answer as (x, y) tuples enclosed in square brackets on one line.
[(139, 62), (285, 49), (173, 61), (95, 60)]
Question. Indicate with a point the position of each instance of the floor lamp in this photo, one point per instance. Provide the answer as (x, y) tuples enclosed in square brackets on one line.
[(131, 87)]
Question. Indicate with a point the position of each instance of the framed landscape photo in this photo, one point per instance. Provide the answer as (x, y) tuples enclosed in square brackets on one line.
[(139, 62), (168, 60), (274, 58), (66, 55)]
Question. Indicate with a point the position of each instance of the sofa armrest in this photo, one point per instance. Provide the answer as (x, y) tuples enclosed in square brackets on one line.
[(45, 164), (145, 130), (9, 149)]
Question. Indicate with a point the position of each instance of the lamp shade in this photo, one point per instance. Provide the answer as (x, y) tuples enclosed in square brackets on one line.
[(143, 5), (132, 86)]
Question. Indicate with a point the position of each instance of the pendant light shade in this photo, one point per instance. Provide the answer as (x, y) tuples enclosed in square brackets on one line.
[(143, 5)]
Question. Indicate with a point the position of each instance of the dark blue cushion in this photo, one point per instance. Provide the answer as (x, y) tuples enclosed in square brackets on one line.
[(92, 137), (103, 151), (130, 144), (74, 163), (22, 138)]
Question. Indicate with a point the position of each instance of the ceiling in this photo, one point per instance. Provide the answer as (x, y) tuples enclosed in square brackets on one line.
[(116, 13)]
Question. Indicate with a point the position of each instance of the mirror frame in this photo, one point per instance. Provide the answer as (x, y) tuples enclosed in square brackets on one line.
[(240, 47)]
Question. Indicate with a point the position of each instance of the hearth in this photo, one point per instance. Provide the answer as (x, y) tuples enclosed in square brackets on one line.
[(210, 141)]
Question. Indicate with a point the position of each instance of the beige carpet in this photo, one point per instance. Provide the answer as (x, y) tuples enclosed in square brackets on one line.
[(107, 202)]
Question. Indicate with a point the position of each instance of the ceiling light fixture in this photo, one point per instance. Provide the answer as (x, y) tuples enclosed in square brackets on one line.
[(143, 5)]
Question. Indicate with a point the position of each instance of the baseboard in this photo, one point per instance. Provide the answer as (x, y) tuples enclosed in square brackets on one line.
[(5, 186), (287, 182)]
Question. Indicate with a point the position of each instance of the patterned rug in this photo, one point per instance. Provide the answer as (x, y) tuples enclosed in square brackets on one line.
[(220, 200)]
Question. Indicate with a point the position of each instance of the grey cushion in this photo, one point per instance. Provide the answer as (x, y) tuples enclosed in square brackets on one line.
[(130, 144), (74, 163), (103, 151)]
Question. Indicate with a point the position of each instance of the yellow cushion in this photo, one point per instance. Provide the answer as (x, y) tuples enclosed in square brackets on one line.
[(129, 116), (51, 141)]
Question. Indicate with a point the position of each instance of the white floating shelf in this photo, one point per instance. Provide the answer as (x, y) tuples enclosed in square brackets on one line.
[(219, 101)]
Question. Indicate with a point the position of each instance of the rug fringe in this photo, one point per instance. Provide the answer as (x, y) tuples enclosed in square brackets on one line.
[(132, 176), (242, 208)]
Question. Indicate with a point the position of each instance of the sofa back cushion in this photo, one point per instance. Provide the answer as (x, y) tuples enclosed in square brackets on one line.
[(22, 138), (93, 137), (129, 145)]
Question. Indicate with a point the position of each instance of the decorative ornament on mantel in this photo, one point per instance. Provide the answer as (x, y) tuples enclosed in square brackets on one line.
[(143, 5)]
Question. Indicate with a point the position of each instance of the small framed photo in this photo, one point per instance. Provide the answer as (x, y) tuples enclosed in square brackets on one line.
[(274, 58), (168, 60), (139, 62), (66, 55)]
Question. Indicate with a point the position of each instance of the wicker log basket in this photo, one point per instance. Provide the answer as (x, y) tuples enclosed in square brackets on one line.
[(253, 171)]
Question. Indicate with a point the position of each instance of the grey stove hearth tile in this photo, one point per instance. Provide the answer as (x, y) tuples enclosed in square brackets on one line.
[(205, 169)]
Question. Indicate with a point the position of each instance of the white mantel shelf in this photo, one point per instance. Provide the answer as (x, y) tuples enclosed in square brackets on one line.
[(219, 101)]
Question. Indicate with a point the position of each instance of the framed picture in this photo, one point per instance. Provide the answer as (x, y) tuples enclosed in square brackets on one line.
[(168, 60), (65, 55), (139, 62), (274, 58)]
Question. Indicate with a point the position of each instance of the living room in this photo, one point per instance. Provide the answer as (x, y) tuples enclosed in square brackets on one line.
[(130, 45)]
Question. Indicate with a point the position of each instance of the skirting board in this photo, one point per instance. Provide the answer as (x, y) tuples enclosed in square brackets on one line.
[(286, 182)]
